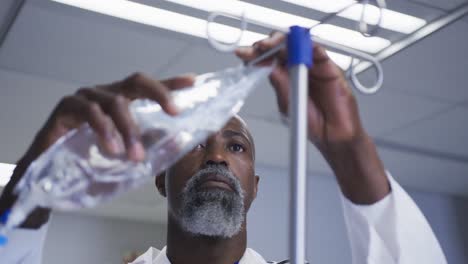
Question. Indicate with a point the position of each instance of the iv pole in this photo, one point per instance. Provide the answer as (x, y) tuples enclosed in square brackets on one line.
[(299, 45)]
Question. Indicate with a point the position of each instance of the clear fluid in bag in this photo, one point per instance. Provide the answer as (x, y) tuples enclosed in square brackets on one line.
[(75, 173)]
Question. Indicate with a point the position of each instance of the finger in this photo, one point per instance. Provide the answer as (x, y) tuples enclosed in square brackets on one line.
[(323, 67), (334, 96), (283, 56), (259, 47), (314, 121), (275, 39), (246, 53), (320, 54), (280, 81), (180, 81), (139, 86), (116, 106), (249, 53), (90, 112)]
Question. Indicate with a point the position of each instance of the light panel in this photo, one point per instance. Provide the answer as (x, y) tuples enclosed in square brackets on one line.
[(262, 15), (163, 19), (359, 41), (160, 18), (275, 19), (341, 60), (391, 20), (6, 170), (326, 6)]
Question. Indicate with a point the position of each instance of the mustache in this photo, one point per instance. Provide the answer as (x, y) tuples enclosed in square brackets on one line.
[(221, 171)]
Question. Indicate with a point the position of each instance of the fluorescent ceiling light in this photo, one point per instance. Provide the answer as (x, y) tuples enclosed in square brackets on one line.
[(326, 6), (6, 170), (275, 19), (175, 22), (391, 20), (259, 14), (341, 60), (163, 19), (342, 35)]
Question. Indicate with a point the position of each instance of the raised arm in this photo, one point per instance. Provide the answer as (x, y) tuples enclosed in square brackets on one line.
[(384, 224), (105, 108)]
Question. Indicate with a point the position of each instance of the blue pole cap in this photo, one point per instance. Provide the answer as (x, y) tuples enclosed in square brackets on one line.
[(4, 217), (299, 46), (3, 221), (3, 240)]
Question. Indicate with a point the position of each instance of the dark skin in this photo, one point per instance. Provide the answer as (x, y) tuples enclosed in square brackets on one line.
[(233, 148), (334, 127)]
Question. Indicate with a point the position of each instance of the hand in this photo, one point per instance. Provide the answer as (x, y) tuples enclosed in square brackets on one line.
[(334, 124), (332, 113), (105, 108)]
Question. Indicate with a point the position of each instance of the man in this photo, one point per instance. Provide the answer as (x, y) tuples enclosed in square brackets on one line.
[(210, 190)]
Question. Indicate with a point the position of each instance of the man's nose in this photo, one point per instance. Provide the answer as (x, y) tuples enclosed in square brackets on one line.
[(215, 156)]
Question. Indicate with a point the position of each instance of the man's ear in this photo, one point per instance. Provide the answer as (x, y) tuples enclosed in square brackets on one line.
[(160, 183), (257, 179)]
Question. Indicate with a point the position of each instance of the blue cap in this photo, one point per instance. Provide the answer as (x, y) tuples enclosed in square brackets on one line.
[(3, 220), (3, 240), (4, 217), (299, 46)]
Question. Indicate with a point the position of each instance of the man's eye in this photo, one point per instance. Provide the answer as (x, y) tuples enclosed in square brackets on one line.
[(200, 146), (236, 148)]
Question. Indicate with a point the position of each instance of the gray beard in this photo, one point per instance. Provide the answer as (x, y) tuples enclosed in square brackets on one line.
[(213, 213)]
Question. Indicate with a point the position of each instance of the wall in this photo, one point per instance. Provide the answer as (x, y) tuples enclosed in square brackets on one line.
[(85, 239), (326, 234), (77, 239)]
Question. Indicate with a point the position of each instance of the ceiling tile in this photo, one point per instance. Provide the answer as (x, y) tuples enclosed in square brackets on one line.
[(271, 142), (434, 67), (445, 132), (425, 173), (82, 47), (199, 58), (25, 103), (272, 147), (262, 103), (465, 19), (388, 109)]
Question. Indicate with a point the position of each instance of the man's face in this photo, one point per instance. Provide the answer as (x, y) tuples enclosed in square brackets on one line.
[(212, 187)]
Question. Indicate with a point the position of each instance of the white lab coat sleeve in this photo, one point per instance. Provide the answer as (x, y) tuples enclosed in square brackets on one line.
[(24, 246), (391, 231)]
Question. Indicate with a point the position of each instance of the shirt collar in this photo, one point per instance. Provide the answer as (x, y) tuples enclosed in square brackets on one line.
[(155, 256)]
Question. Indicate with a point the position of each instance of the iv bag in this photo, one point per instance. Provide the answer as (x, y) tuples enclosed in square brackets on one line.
[(75, 173)]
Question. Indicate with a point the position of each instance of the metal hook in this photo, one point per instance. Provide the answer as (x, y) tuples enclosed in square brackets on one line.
[(229, 47), (363, 26), (350, 72), (225, 47)]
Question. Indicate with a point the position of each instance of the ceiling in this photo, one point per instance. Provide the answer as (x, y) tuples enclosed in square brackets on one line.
[(418, 119)]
